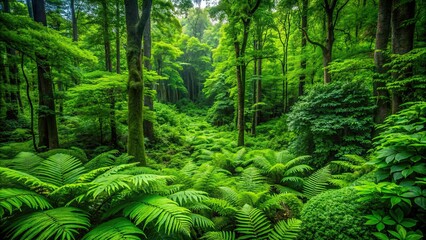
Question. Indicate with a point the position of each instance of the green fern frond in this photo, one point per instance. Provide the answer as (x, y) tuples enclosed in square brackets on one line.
[(74, 152), (230, 195), (292, 179), (116, 229), (277, 169), (149, 181), (297, 160), (276, 201), (23, 161), (223, 235), (58, 223), (286, 230), (108, 185), (197, 207), (71, 189), (298, 169), (221, 206), (283, 156), (188, 196), (60, 169), (102, 160), (13, 198), (90, 176), (285, 189), (252, 223), (24, 178), (123, 159), (252, 180), (168, 216), (317, 182), (117, 169), (201, 221)]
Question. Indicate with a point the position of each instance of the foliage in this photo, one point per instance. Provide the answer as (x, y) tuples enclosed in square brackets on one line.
[(399, 157), (335, 214), (332, 120)]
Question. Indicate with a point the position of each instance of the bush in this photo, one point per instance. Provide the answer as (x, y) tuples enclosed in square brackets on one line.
[(335, 214), (332, 120)]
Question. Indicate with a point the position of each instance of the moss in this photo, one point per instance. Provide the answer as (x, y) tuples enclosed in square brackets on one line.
[(335, 214)]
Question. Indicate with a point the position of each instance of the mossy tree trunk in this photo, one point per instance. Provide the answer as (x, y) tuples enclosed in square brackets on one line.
[(47, 128), (135, 25), (148, 126), (382, 39)]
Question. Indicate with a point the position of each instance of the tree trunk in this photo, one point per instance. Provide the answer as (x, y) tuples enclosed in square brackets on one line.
[(117, 37), (327, 51), (302, 76), (112, 119), (74, 22), (135, 28), (30, 9), (255, 75), (382, 38), (402, 40), (240, 98), (47, 128), (107, 42), (148, 126)]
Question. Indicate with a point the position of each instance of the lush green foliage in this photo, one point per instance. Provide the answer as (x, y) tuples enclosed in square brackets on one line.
[(332, 120), (399, 157), (335, 214)]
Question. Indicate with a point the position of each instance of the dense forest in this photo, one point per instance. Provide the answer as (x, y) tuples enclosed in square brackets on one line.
[(215, 120)]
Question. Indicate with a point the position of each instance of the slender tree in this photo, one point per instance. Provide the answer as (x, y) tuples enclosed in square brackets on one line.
[(73, 21), (403, 27), (47, 128), (105, 30), (148, 126), (135, 25), (382, 39), (304, 27)]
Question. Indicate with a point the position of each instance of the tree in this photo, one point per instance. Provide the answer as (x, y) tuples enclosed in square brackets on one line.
[(148, 126), (135, 25), (47, 128), (304, 26), (73, 21), (382, 38), (403, 26), (239, 16), (332, 12)]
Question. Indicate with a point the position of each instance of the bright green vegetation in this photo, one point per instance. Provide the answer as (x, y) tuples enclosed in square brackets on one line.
[(215, 120)]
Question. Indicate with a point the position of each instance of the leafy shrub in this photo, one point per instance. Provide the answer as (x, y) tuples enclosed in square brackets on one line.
[(335, 214), (332, 120), (400, 156)]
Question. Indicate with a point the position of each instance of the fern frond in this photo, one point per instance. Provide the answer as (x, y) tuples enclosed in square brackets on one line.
[(277, 169), (223, 235), (252, 180), (149, 181), (298, 169), (23, 161), (117, 169), (13, 198), (58, 223), (201, 221), (188, 196), (297, 160), (25, 178), (284, 189), (286, 230), (252, 223), (317, 182), (102, 160), (230, 195), (60, 169), (116, 229), (283, 156), (292, 179), (109, 184), (74, 152), (90, 176), (221, 206), (73, 189), (168, 216)]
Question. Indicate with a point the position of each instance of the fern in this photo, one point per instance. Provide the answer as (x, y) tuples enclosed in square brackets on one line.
[(25, 178), (116, 229), (60, 169), (221, 206), (252, 223), (317, 182), (201, 221), (223, 235), (230, 195), (12, 198), (23, 161), (188, 196), (168, 216), (58, 223), (107, 185), (286, 230), (74, 152), (102, 160)]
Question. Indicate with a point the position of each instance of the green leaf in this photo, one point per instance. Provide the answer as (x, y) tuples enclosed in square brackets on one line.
[(407, 172), (380, 226), (420, 168), (395, 201), (252, 223), (397, 214), (402, 232), (286, 230), (116, 229), (13, 198), (408, 222), (388, 221), (380, 236), (402, 155), (421, 202)]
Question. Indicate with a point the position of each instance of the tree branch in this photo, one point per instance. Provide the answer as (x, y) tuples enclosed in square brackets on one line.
[(255, 7), (146, 12), (338, 11), (323, 48)]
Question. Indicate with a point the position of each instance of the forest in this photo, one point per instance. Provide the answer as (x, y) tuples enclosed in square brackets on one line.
[(213, 119)]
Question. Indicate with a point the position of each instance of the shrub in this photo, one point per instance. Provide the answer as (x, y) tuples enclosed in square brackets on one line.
[(335, 214), (332, 120)]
